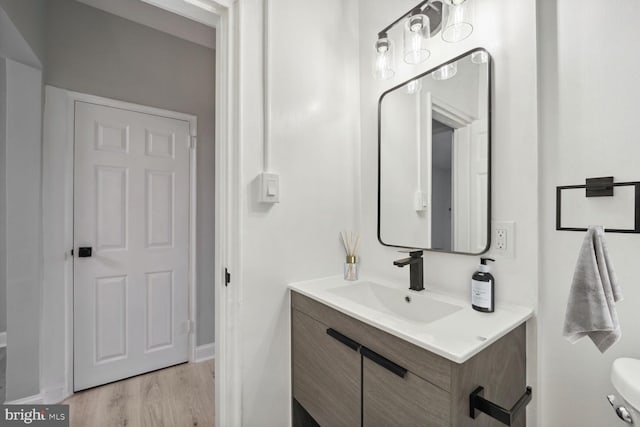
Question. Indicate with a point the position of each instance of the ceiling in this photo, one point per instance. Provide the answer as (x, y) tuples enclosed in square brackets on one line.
[(142, 12)]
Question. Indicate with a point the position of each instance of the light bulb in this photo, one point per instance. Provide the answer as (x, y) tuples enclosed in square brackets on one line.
[(457, 21), (415, 37), (383, 59), (414, 86), (480, 57), (445, 72)]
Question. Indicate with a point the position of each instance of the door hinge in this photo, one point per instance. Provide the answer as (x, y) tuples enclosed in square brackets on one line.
[(227, 277), (188, 326), (71, 252), (193, 140)]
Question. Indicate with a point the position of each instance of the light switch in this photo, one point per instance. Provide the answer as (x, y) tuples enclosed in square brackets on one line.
[(420, 201), (272, 188), (269, 188)]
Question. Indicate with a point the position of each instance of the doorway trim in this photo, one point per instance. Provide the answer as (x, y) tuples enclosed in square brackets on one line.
[(60, 104), (228, 221)]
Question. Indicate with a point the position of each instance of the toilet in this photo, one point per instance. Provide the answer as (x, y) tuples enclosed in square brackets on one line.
[(625, 377)]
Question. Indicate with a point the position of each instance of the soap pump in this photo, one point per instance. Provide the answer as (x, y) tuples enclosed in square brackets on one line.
[(482, 288)]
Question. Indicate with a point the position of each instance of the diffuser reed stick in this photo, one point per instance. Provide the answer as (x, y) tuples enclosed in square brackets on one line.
[(351, 242)]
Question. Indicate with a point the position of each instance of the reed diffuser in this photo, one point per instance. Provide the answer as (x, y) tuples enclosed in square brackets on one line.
[(350, 242)]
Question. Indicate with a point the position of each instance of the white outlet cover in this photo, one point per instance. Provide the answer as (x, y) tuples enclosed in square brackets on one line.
[(509, 228)]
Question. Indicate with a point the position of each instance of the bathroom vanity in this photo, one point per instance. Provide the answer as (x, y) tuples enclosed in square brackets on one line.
[(374, 354)]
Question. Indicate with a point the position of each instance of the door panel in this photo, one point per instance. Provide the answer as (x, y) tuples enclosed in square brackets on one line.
[(159, 310), (112, 210), (111, 318), (159, 209), (131, 205)]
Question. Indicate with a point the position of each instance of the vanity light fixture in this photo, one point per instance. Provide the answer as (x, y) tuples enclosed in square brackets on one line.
[(445, 72), (419, 25), (415, 37), (457, 21), (383, 64)]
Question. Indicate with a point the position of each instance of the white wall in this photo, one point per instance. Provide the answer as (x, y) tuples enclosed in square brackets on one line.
[(403, 170), (588, 105), (507, 29), (315, 141), (23, 228)]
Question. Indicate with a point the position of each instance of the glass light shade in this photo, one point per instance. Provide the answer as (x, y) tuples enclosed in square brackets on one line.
[(414, 86), (445, 72), (453, 2), (417, 31), (457, 21), (383, 60), (480, 57)]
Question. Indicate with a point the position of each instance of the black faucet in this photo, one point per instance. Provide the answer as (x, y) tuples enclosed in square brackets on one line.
[(416, 276)]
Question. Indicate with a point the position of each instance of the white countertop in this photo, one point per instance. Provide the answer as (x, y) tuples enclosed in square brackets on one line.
[(457, 336)]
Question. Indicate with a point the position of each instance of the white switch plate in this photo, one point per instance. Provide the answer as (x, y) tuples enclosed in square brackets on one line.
[(269, 188), (503, 238), (420, 201)]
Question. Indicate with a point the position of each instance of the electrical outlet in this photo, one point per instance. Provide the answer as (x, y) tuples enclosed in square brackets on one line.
[(503, 242)]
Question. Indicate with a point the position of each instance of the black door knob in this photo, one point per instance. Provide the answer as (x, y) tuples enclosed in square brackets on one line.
[(84, 251)]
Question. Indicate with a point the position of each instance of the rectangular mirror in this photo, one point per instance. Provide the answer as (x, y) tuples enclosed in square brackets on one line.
[(434, 158)]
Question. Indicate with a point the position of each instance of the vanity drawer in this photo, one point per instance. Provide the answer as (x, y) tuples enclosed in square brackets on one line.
[(408, 401), (424, 364), (326, 374)]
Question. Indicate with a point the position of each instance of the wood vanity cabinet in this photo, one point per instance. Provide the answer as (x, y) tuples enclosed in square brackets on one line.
[(348, 373)]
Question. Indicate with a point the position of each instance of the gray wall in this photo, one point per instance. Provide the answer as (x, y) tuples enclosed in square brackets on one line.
[(3, 195), (91, 51), (20, 197), (29, 18), (441, 237), (23, 234)]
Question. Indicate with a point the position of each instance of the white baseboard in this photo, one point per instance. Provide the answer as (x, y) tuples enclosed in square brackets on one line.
[(50, 396), (55, 394), (205, 352), (36, 399), (3, 339)]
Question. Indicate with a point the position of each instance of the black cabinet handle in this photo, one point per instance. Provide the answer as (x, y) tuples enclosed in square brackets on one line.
[(343, 339), (384, 362), (477, 403)]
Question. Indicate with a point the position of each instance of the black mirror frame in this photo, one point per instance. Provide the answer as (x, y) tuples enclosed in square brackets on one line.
[(489, 148)]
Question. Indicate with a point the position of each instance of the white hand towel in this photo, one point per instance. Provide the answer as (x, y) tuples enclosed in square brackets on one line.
[(591, 309)]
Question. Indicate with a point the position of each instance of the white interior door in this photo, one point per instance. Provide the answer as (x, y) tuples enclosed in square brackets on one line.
[(131, 206)]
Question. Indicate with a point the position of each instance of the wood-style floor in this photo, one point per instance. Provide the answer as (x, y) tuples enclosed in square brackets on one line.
[(180, 396)]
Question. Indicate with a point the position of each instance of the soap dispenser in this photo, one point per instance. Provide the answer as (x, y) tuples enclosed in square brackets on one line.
[(482, 288)]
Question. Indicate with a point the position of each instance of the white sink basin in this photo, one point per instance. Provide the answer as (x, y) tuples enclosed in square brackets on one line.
[(411, 306), (625, 376), (439, 323)]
